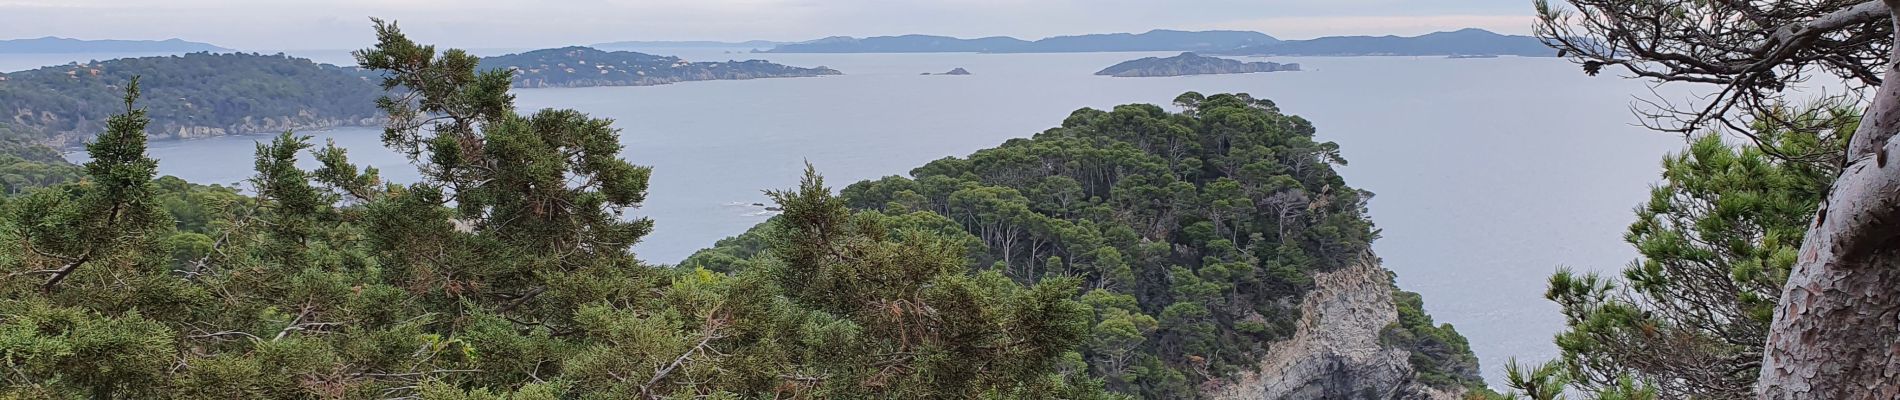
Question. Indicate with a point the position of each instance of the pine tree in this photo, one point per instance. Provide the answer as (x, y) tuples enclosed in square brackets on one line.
[(1718, 238)]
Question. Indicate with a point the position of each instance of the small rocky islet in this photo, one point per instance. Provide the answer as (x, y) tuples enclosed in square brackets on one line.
[(956, 71)]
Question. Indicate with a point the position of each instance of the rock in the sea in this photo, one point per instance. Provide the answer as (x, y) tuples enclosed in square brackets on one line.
[(1335, 351), (957, 71), (1191, 64)]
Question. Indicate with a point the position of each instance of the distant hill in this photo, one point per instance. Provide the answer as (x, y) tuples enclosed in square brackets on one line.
[(1462, 42), (664, 44), (1155, 40), (1190, 64), (904, 44), (51, 44), (191, 95), (583, 66)]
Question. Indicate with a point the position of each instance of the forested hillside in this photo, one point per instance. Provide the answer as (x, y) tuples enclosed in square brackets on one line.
[(1195, 235), (26, 164), (583, 66), (191, 95)]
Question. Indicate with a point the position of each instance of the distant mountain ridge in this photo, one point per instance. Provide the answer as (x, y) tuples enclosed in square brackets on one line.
[(52, 44), (667, 44), (578, 66), (1155, 40), (1465, 42)]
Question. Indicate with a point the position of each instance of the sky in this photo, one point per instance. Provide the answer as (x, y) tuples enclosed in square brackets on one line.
[(263, 25)]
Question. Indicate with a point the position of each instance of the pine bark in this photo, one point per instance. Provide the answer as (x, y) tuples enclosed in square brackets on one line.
[(1836, 332)]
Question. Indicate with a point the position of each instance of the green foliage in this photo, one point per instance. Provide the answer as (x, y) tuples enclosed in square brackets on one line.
[(25, 164), (1441, 357), (1195, 232), (1717, 239), (504, 274), (235, 93)]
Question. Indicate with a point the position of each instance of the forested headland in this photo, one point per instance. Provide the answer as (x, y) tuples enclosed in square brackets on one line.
[(190, 95)]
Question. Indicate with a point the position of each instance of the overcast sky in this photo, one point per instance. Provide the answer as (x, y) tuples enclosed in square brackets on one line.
[(262, 25)]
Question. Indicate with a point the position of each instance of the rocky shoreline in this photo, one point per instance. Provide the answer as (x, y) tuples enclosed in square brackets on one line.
[(72, 140)]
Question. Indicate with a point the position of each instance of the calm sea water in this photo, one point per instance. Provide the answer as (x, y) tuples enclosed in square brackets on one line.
[(1489, 173)]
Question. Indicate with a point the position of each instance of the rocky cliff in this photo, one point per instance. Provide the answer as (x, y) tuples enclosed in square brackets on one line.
[(1336, 351)]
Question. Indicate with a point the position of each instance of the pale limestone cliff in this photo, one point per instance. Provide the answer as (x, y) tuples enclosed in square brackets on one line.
[(1335, 352)]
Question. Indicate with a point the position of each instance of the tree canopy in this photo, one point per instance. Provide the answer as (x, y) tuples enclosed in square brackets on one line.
[(504, 273), (1717, 237), (1195, 234)]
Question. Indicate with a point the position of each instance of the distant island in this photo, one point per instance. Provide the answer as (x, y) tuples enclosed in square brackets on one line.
[(1155, 40), (1190, 64), (957, 71), (197, 95), (584, 67), (670, 44), (1466, 42), (49, 44), (189, 96)]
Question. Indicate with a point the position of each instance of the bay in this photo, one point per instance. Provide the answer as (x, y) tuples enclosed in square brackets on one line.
[(1489, 173)]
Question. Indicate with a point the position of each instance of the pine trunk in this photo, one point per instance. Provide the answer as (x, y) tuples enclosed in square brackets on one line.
[(1836, 333)]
